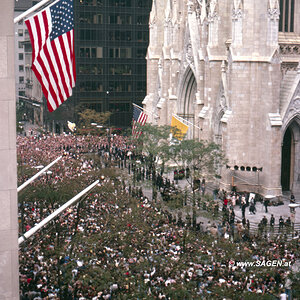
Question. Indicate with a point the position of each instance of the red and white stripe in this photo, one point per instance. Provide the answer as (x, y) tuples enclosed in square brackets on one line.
[(53, 62), (141, 120)]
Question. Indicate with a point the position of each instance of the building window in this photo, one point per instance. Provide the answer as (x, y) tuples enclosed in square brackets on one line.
[(84, 18), (87, 35), (143, 4), (91, 69), (21, 79), (95, 106), (21, 56), (286, 21), (20, 45), (91, 52), (120, 53), (91, 2), (20, 22), (21, 68), (120, 70), (142, 36), (121, 3), (119, 107), (119, 19), (91, 86), (120, 86), (97, 19), (141, 86), (119, 35), (142, 20), (20, 32), (141, 53)]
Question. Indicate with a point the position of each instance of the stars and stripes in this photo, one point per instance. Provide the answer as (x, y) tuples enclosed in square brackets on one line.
[(53, 59), (139, 117)]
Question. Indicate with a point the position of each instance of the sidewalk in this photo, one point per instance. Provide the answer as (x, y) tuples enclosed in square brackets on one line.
[(277, 211)]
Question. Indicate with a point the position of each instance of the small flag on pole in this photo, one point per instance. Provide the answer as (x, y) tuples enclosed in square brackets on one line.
[(139, 117), (53, 60), (178, 128)]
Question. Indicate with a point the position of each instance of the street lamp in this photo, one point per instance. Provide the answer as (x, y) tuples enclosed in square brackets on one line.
[(107, 100)]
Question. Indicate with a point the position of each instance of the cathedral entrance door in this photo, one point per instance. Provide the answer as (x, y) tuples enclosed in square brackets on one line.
[(290, 158), (286, 160)]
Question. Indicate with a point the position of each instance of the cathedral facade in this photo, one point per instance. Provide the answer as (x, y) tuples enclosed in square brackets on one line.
[(231, 68)]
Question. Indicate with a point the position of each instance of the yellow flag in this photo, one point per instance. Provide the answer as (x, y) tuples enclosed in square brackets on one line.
[(181, 128)]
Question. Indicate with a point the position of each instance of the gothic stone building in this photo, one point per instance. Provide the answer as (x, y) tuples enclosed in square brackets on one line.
[(231, 67)]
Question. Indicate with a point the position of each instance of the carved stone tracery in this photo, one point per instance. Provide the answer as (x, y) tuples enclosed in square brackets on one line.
[(288, 49), (288, 66), (273, 14), (189, 55), (212, 15), (237, 11)]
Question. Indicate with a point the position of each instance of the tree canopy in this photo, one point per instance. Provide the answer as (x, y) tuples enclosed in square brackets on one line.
[(202, 158), (89, 116)]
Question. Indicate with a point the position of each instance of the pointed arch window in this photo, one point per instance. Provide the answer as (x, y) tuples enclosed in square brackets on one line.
[(286, 21)]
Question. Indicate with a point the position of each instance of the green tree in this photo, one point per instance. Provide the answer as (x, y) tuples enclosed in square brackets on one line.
[(153, 145), (89, 116), (202, 158)]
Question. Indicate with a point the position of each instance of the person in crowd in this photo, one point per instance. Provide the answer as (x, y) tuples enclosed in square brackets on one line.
[(292, 200), (266, 204), (272, 222), (117, 242), (281, 223)]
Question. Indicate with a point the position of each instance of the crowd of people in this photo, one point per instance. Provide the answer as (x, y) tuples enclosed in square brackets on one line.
[(118, 244)]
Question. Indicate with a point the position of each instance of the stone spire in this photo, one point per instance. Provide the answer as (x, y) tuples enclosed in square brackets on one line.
[(153, 14), (237, 23), (168, 24), (213, 7), (238, 4), (213, 23), (273, 4), (273, 19), (190, 6), (203, 11), (273, 9), (237, 9), (175, 13), (168, 11)]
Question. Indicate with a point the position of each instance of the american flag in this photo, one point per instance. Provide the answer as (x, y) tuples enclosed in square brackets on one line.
[(139, 117), (53, 60)]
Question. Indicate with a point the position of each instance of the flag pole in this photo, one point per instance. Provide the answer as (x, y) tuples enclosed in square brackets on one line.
[(31, 10), (145, 110), (22, 186), (33, 230), (176, 116)]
